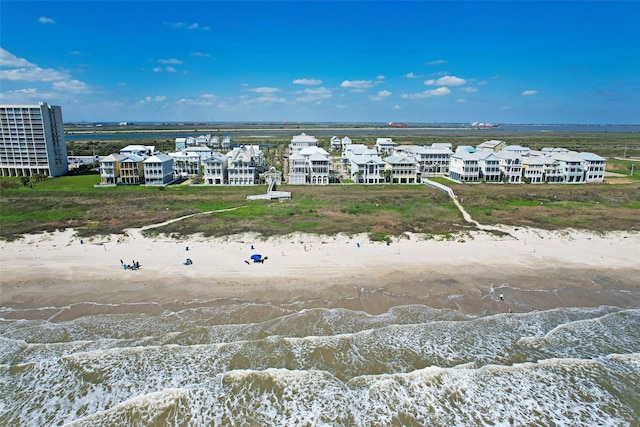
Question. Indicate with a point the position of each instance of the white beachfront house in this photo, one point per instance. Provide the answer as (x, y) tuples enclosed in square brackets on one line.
[(353, 150), (572, 166), (131, 170), (401, 169), (367, 169), (298, 142), (158, 169), (594, 168), (552, 170), (464, 166), (139, 150), (309, 165), (215, 170), (510, 166), (344, 141), (489, 166), (244, 165), (533, 169), (385, 146), (335, 144), (202, 151), (297, 169), (110, 169), (185, 163)]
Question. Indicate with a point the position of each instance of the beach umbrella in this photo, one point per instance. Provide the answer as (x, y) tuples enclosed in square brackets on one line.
[(256, 256)]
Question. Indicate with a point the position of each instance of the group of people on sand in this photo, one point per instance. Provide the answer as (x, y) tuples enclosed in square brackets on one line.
[(135, 265)]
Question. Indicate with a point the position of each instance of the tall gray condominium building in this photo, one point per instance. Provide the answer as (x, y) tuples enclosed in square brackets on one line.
[(32, 140)]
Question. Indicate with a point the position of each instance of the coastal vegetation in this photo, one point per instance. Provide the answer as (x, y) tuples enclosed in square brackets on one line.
[(37, 205), (380, 210)]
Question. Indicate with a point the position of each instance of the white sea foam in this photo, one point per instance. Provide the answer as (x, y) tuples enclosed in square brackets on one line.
[(413, 365)]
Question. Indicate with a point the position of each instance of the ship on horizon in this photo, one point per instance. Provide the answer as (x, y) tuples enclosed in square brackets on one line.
[(476, 125), (397, 125)]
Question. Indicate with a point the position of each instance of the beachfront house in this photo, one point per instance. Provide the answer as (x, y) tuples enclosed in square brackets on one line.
[(185, 163), (344, 142), (131, 169), (215, 170), (298, 142), (158, 169), (110, 169), (533, 169), (139, 150), (335, 144), (385, 146), (367, 169), (401, 169), (464, 166), (594, 167), (202, 151), (492, 146), (510, 166), (572, 166), (244, 165), (489, 166), (184, 142), (297, 169), (309, 165)]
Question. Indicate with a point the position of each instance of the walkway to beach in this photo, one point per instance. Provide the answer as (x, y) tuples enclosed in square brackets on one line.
[(462, 210)]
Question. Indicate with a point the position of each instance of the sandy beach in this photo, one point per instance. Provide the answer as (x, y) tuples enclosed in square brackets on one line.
[(532, 269)]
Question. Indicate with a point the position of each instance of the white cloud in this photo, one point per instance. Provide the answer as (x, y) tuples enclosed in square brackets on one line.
[(73, 86), (441, 91), (45, 20), (193, 26), (157, 69), (151, 99), (446, 81), (437, 62), (469, 89), (357, 85), (380, 77), (170, 69), (314, 94), (264, 89), (380, 95), (203, 100), (412, 75), (170, 61), (529, 92), (8, 59), (200, 54), (307, 82), (396, 107)]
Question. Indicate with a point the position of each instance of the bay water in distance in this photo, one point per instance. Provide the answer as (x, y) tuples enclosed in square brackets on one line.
[(231, 362)]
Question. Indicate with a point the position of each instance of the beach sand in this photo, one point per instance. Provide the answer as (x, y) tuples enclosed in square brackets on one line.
[(531, 269)]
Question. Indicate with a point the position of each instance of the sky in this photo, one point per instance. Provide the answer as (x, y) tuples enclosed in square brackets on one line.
[(329, 61)]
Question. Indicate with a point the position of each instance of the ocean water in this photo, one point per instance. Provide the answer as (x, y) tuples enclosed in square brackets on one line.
[(239, 363)]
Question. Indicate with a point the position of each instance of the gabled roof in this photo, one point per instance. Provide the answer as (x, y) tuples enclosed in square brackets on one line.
[(308, 151), (132, 158), (318, 157), (365, 160), (159, 158), (115, 157), (396, 159), (590, 157)]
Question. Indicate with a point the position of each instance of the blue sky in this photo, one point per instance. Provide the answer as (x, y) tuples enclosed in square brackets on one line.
[(329, 61)]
